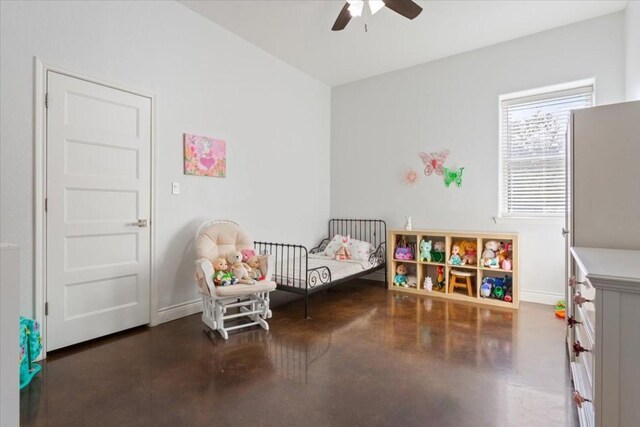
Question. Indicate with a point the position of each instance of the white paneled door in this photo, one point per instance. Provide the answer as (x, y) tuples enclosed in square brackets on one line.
[(98, 210)]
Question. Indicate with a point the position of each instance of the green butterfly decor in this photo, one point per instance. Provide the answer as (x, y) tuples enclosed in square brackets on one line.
[(452, 176)]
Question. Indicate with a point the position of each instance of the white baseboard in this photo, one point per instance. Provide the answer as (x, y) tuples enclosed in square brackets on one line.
[(177, 311), (548, 298)]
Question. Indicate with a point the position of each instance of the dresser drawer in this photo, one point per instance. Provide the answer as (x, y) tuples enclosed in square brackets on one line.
[(586, 412), (585, 358)]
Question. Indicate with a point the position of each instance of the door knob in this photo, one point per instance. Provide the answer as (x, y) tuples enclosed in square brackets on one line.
[(140, 223), (564, 232)]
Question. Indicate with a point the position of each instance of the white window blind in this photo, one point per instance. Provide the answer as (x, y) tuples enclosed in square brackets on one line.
[(533, 151)]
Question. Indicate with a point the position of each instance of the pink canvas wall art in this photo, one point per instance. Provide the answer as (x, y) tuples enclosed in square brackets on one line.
[(205, 156)]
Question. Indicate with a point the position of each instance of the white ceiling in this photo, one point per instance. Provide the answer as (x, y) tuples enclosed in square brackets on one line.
[(299, 31)]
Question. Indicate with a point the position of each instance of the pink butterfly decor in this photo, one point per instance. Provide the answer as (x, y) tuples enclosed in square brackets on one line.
[(433, 162)]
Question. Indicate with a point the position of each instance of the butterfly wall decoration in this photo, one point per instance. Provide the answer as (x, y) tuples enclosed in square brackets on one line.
[(434, 162), (454, 176)]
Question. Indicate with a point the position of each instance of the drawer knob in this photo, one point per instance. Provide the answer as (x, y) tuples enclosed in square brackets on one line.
[(579, 399), (571, 321), (578, 348), (573, 281), (578, 299)]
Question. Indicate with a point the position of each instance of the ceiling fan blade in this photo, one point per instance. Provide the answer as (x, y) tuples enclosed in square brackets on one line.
[(343, 18), (406, 8)]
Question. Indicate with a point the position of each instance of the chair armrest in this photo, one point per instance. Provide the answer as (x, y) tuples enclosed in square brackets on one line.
[(204, 272), (266, 261)]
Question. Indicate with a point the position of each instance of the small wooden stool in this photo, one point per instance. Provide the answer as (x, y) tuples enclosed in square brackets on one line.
[(466, 282)]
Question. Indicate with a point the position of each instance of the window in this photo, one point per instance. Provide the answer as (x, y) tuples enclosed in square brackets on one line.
[(533, 150)]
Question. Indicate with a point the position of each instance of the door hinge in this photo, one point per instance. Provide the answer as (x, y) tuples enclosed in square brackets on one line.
[(46, 204), (46, 100), (46, 308)]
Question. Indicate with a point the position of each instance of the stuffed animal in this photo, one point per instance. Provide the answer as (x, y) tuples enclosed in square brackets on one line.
[(489, 253), (343, 253), (222, 276), (499, 289), (438, 246), (486, 287), (247, 254), (255, 272), (425, 250), (440, 278), (455, 259), (469, 252), (234, 258), (401, 276), (428, 284)]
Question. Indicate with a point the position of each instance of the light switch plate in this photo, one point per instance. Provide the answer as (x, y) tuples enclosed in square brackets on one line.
[(175, 188)]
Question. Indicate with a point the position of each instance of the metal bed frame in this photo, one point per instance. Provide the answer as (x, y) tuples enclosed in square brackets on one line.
[(292, 261)]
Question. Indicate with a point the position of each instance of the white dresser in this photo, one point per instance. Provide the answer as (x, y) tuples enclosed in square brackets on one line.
[(604, 336)]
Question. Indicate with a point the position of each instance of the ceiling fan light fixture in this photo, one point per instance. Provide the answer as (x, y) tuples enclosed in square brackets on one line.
[(375, 6), (355, 7)]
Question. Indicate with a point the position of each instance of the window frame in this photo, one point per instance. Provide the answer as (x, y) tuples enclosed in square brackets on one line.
[(542, 93)]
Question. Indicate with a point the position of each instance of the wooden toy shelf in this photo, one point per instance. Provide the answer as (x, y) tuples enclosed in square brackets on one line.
[(418, 270)]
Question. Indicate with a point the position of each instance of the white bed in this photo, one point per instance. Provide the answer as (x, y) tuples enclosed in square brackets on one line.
[(285, 274)]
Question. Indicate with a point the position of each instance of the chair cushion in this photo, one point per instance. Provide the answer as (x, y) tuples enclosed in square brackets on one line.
[(240, 290), (221, 238)]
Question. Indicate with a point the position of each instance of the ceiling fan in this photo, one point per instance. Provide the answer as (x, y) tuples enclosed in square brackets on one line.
[(407, 8)]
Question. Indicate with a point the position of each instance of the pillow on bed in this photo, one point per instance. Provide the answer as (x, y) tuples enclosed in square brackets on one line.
[(360, 250), (333, 245)]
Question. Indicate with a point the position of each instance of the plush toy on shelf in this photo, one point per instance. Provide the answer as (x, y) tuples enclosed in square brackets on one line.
[(222, 276), (254, 264), (486, 287), (489, 253), (425, 250), (238, 268), (403, 250), (440, 279), (499, 289), (437, 252), (469, 251), (343, 253), (400, 278), (455, 259), (428, 284)]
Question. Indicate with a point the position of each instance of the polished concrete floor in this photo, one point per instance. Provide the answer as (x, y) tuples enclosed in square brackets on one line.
[(367, 357)]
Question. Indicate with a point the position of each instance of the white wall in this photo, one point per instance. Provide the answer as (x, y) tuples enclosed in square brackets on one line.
[(276, 121), (632, 39), (379, 125)]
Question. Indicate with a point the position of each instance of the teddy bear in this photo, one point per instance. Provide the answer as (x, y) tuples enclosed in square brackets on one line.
[(221, 274), (400, 278), (425, 250), (247, 254), (234, 258), (469, 253), (254, 264), (489, 253), (455, 258)]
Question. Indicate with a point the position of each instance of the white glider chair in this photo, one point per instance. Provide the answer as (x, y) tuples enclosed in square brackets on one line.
[(215, 239)]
